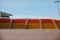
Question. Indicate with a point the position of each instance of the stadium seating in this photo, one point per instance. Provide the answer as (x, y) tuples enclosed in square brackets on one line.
[(48, 24), (4, 23), (18, 23), (32, 24)]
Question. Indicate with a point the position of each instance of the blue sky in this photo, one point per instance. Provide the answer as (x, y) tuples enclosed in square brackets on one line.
[(30, 8)]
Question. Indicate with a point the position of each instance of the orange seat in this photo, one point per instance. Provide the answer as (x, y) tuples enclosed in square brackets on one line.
[(4, 23), (48, 24), (34, 24), (19, 23)]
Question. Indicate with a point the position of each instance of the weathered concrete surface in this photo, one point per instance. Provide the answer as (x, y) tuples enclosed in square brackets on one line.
[(29, 34)]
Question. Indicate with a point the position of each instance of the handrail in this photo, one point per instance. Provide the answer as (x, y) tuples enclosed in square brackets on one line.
[(10, 26)]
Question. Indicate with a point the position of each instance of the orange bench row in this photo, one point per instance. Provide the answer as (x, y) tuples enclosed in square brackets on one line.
[(30, 20), (33, 23)]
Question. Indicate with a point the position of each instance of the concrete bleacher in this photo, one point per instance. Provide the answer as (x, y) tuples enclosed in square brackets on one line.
[(29, 24)]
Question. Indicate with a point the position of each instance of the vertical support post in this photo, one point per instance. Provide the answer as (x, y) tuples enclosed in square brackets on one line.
[(41, 24), (56, 26), (26, 24), (10, 26)]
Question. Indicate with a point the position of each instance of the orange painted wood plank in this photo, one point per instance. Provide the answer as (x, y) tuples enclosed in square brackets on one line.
[(57, 21), (47, 21), (34, 26), (4, 25), (4, 20), (34, 21), (19, 20), (18, 25), (48, 26)]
